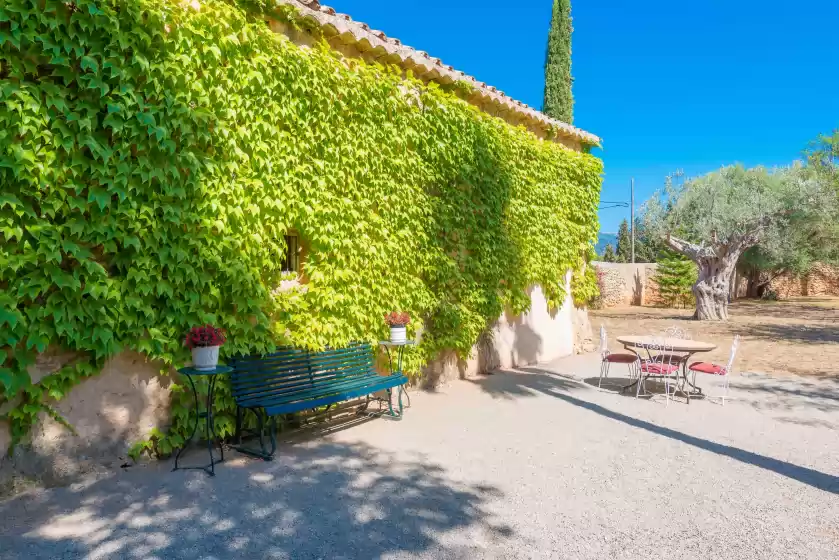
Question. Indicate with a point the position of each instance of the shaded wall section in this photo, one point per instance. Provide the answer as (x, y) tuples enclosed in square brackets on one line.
[(539, 335), (108, 412)]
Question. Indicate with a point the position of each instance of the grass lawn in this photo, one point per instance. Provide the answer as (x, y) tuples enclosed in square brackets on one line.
[(798, 336)]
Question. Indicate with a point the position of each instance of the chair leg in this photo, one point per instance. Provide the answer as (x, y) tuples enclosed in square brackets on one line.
[(604, 371), (725, 390)]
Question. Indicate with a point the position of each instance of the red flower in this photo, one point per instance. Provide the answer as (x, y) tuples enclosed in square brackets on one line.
[(397, 319), (204, 336)]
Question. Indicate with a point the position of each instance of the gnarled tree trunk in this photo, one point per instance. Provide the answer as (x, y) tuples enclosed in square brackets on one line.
[(713, 288), (716, 263)]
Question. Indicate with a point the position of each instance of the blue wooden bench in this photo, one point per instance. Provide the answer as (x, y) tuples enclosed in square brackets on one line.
[(291, 380)]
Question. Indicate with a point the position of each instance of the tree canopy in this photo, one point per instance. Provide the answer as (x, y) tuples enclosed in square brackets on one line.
[(736, 204), (715, 218)]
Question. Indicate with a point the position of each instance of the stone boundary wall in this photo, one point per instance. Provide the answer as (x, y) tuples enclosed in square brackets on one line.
[(822, 280), (613, 288), (629, 284)]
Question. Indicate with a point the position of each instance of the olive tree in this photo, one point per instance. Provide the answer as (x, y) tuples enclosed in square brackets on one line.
[(715, 218)]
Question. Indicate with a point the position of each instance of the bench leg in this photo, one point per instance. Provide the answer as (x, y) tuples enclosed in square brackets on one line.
[(261, 415), (240, 414)]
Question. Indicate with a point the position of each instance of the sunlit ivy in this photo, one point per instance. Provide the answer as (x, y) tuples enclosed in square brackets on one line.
[(154, 153)]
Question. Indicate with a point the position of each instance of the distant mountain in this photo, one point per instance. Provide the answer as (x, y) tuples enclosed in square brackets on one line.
[(606, 238)]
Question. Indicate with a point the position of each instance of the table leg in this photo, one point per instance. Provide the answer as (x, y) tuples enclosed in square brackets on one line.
[(399, 369), (209, 427)]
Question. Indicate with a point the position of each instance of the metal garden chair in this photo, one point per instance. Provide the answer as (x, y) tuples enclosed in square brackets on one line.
[(661, 365), (608, 358), (714, 369), (681, 334)]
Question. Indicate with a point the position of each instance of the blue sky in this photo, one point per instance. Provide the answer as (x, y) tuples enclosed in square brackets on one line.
[(667, 84)]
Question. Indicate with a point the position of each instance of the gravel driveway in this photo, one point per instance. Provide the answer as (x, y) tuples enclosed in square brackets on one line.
[(526, 464)]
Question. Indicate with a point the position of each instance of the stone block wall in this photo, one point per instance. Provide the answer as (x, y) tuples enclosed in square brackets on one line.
[(822, 280), (613, 288), (628, 284)]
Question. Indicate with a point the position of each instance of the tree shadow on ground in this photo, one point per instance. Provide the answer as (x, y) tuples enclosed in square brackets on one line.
[(644, 314), (809, 334), (809, 309), (325, 500), (792, 394), (512, 384)]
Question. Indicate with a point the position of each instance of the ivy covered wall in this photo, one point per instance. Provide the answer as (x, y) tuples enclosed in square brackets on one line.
[(153, 153)]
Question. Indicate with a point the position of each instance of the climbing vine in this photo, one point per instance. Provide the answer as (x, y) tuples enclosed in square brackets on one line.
[(154, 153)]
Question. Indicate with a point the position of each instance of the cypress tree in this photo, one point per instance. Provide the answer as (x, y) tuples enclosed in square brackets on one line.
[(624, 249), (608, 253), (559, 100)]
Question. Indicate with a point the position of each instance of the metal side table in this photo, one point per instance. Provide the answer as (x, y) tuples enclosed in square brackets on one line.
[(399, 348), (206, 414)]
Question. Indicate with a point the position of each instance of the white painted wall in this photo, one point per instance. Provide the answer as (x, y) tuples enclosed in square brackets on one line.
[(537, 336)]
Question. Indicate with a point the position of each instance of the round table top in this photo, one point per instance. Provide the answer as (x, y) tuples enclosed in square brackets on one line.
[(405, 343), (219, 369), (674, 344)]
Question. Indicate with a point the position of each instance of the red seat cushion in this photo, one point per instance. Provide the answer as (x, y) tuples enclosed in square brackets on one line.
[(654, 368), (621, 358), (707, 367)]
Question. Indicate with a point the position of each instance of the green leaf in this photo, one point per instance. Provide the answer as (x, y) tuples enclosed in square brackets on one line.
[(100, 196), (89, 63)]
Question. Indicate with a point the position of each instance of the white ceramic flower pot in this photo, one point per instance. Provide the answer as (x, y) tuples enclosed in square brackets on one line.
[(205, 359), (398, 335)]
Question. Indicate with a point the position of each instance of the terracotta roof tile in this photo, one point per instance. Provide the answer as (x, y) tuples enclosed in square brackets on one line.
[(340, 24)]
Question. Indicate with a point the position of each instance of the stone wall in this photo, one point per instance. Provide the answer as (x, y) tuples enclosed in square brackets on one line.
[(629, 284), (108, 412), (613, 289), (822, 280)]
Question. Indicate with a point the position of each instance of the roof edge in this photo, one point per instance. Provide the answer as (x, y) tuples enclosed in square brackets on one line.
[(359, 34)]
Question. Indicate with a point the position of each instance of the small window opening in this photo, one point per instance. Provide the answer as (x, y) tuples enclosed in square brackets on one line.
[(291, 259)]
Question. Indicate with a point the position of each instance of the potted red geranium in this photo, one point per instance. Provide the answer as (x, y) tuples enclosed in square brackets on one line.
[(204, 342), (397, 321)]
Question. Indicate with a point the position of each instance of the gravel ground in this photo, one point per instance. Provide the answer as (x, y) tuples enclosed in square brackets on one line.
[(527, 464)]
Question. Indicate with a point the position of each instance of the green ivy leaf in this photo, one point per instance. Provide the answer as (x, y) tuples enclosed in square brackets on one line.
[(89, 63)]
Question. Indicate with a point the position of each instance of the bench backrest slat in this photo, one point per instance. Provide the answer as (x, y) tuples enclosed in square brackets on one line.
[(292, 371), (301, 384)]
